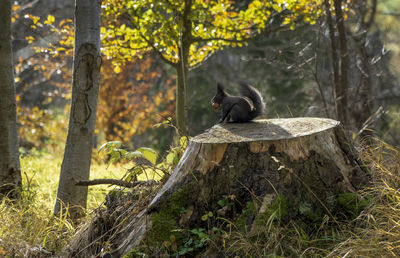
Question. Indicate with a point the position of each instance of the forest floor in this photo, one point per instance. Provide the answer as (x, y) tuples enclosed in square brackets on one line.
[(28, 226)]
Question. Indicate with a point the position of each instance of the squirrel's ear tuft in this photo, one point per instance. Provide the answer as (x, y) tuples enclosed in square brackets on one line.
[(220, 86)]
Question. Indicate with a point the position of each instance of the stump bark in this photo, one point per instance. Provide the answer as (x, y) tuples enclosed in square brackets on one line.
[(305, 163)]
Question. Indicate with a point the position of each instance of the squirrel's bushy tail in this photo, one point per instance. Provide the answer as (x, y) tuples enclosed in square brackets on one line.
[(255, 96)]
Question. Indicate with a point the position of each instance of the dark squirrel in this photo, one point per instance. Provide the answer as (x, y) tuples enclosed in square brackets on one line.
[(238, 109)]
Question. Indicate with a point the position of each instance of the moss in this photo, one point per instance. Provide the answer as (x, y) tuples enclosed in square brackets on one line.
[(351, 203), (310, 213), (277, 210), (165, 222), (136, 252), (248, 213)]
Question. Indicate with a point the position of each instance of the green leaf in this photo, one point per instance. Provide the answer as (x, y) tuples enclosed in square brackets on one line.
[(108, 145), (183, 141), (130, 155), (149, 154), (162, 123), (134, 172), (115, 155), (171, 157)]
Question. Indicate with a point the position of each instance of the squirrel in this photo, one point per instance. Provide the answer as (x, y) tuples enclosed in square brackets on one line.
[(237, 108)]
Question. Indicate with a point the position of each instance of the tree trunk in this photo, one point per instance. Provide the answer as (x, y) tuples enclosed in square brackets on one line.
[(10, 173), (185, 42), (304, 164), (85, 86), (342, 87), (335, 59), (181, 79)]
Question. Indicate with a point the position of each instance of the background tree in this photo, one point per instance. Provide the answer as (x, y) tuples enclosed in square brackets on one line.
[(10, 173), (339, 60), (182, 33), (85, 86), (352, 67), (185, 33)]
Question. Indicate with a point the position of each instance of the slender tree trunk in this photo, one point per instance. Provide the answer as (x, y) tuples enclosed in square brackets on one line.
[(85, 86), (10, 173), (364, 91), (181, 117), (366, 88), (342, 89), (335, 59), (182, 70)]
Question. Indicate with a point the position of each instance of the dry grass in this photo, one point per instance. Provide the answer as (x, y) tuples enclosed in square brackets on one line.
[(377, 228)]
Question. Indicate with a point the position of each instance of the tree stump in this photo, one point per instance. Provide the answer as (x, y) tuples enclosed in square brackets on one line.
[(305, 163)]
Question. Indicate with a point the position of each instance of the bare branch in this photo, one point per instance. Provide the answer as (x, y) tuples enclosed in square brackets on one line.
[(372, 15), (109, 181)]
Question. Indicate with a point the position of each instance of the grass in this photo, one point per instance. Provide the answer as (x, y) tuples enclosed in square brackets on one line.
[(376, 231), (28, 226)]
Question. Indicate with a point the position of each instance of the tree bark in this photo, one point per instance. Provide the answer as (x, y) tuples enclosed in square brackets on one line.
[(305, 161), (335, 59), (342, 87), (181, 79), (10, 173), (85, 86), (181, 67)]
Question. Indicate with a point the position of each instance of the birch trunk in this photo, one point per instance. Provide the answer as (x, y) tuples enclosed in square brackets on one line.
[(85, 86), (10, 174)]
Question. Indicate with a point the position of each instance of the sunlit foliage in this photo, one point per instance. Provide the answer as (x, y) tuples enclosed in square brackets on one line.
[(136, 27), (131, 102)]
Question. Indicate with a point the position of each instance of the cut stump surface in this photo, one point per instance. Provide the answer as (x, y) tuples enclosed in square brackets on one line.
[(265, 130)]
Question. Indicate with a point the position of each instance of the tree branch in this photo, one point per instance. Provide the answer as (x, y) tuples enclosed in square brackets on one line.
[(109, 181), (199, 39), (372, 15), (149, 42)]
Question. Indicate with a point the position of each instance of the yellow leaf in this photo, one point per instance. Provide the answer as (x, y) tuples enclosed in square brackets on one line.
[(35, 19), (50, 19), (15, 7), (157, 100), (30, 39), (117, 69), (232, 14)]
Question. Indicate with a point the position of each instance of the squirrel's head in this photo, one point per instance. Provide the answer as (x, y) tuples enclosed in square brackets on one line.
[(217, 100)]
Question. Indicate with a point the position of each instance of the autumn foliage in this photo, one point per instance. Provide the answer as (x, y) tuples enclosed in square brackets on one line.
[(130, 102), (135, 99)]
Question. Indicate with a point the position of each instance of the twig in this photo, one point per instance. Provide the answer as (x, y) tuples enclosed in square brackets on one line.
[(374, 117)]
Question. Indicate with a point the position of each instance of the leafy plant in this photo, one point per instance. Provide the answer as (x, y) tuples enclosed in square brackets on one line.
[(113, 148)]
